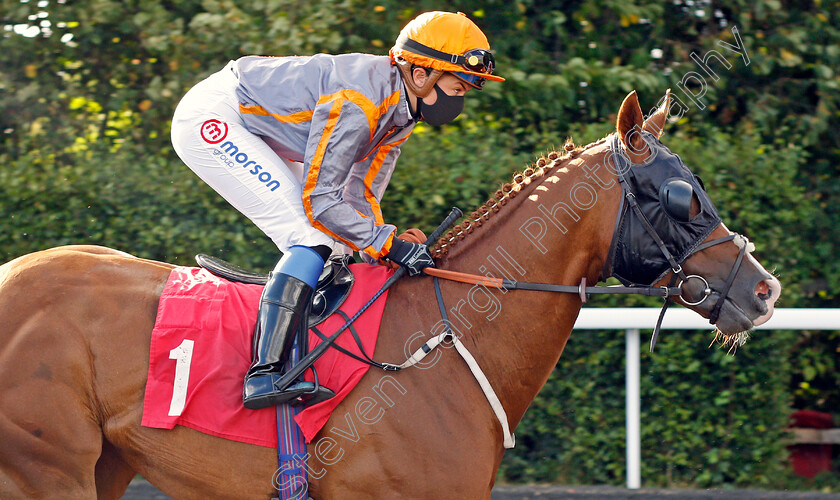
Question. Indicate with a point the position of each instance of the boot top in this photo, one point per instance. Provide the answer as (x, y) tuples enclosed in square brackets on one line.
[(287, 291)]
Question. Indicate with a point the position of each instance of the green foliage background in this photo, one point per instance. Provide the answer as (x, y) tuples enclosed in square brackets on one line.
[(87, 89)]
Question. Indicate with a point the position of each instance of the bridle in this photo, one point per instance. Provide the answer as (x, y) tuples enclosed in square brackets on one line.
[(678, 276), (674, 288)]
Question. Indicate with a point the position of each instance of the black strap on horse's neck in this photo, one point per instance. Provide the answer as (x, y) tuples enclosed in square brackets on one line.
[(442, 307), (583, 290)]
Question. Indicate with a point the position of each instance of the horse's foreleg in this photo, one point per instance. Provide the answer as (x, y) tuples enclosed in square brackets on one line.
[(112, 473)]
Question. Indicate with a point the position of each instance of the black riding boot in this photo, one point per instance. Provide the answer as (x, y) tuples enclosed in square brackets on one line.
[(284, 307)]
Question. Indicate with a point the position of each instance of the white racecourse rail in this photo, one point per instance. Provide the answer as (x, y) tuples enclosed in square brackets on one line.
[(633, 319)]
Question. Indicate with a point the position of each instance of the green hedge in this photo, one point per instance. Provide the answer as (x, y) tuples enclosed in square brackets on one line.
[(707, 418)]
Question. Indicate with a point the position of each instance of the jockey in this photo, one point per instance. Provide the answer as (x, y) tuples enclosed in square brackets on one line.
[(305, 146)]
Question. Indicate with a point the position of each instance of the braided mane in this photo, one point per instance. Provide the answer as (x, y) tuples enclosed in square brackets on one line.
[(507, 192)]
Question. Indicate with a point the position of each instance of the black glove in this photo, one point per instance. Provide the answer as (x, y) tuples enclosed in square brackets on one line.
[(414, 257)]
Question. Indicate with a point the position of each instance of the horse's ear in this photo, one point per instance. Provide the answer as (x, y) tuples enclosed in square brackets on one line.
[(656, 123), (629, 126)]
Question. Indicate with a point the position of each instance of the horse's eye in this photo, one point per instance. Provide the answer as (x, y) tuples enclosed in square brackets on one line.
[(675, 196)]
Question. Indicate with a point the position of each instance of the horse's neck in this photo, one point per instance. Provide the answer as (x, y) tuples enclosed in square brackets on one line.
[(518, 336)]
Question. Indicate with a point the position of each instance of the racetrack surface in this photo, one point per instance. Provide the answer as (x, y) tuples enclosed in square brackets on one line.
[(142, 490)]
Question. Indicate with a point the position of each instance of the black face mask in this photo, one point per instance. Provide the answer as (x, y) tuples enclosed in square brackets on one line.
[(445, 109)]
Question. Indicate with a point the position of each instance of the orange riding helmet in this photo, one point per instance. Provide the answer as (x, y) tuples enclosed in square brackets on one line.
[(444, 41)]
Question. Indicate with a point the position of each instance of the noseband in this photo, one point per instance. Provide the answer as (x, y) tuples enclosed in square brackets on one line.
[(679, 274)]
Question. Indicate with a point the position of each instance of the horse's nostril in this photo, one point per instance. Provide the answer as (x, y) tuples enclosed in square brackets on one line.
[(763, 291)]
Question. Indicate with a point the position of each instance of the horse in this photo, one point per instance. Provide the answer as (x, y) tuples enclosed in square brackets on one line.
[(75, 325)]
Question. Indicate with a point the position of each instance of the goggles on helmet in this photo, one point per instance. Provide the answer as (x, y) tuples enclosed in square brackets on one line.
[(473, 60), (478, 60)]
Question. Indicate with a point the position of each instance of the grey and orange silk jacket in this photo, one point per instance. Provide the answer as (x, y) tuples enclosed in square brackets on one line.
[(342, 116)]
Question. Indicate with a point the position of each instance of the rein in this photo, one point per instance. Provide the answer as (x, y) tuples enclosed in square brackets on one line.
[(583, 291)]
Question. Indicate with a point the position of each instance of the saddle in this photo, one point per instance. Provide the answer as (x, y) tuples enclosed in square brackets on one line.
[(333, 287)]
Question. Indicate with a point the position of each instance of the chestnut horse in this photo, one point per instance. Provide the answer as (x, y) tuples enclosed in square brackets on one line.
[(75, 326)]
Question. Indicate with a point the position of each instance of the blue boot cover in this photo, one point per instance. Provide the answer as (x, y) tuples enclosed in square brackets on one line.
[(302, 263)]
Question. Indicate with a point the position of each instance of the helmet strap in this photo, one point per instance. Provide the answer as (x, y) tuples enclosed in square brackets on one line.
[(406, 70)]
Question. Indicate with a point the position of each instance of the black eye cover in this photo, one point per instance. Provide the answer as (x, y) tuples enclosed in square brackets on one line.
[(675, 196)]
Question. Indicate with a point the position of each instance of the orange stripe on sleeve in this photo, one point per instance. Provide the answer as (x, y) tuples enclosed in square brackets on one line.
[(315, 167), (375, 166), (386, 248), (299, 117), (373, 113), (373, 171)]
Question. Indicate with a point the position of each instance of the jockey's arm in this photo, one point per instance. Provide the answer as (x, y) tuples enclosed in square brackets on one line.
[(365, 195), (340, 132)]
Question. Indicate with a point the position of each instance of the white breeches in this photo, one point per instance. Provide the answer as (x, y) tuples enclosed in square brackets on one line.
[(210, 137)]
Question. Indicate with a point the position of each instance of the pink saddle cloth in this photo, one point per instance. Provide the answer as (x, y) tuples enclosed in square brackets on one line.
[(201, 349)]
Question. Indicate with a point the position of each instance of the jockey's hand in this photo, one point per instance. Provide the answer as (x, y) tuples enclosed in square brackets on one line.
[(414, 257)]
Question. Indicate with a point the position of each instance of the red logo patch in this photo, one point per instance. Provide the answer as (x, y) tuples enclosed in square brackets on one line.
[(214, 131)]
